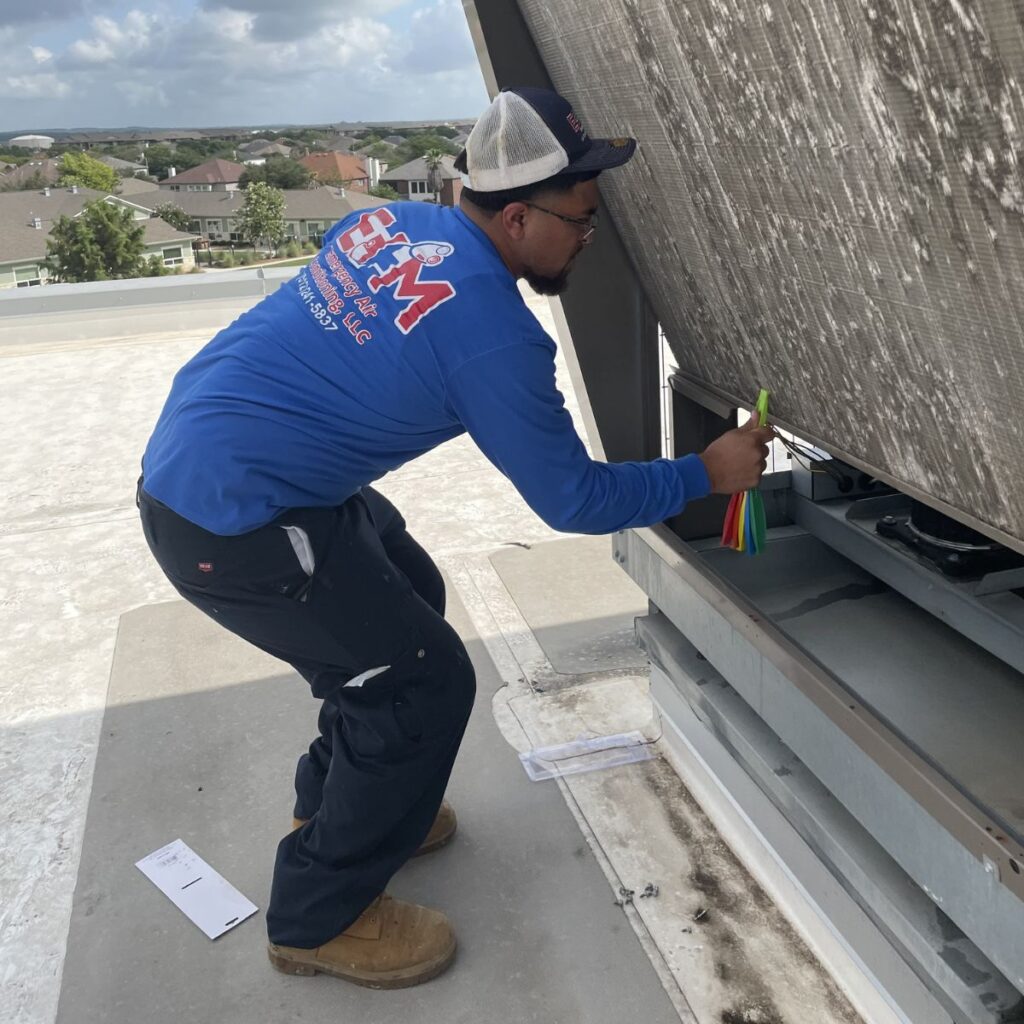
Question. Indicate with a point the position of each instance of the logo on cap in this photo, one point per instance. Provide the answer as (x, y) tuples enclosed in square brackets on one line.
[(575, 124)]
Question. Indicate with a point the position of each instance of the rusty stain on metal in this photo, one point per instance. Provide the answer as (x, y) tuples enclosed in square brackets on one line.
[(828, 202)]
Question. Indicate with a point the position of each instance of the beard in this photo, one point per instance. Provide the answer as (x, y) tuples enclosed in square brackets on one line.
[(545, 284)]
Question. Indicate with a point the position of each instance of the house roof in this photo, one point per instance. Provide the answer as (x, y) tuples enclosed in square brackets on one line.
[(417, 170), (325, 203), (118, 164), (258, 146), (269, 150), (213, 172), (137, 136), (340, 144), (395, 140), (17, 176), (136, 186), (19, 240), (333, 165)]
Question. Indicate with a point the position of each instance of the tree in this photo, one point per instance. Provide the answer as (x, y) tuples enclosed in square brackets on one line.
[(159, 159), (174, 215), (279, 171), (34, 182), (309, 136), (262, 216), (383, 191), (193, 152), (435, 182), (101, 243), (381, 151), (418, 145), (133, 152), (88, 172), (154, 267)]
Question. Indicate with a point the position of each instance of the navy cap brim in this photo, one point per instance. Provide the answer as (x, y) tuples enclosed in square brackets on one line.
[(603, 155)]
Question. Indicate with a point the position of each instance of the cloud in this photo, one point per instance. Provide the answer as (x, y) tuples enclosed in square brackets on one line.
[(16, 12), (142, 94), (274, 21), (22, 87), (438, 39), (212, 64), (225, 43), (230, 26), (115, 42)]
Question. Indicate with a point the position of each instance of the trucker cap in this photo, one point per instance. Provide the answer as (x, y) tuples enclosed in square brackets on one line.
[(527, 135)]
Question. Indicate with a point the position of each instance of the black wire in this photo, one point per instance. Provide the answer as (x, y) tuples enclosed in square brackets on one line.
[(827, 464)]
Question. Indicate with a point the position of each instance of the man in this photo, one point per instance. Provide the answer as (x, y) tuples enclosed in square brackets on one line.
[(407, 330)]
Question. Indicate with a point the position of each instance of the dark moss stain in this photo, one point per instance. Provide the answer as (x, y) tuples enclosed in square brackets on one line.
[(730, 909), (752, 1013)]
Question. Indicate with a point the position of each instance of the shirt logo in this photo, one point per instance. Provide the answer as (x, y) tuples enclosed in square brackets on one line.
[(370, 239), (369, 235)]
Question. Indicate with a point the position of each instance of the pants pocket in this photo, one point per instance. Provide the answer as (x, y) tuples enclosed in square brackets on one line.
[(303, 550)]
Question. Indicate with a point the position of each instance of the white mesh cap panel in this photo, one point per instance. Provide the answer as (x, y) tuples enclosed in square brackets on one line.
[(511, 146)]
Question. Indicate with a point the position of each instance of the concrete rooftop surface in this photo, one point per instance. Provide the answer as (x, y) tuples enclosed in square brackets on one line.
[(128, 720)]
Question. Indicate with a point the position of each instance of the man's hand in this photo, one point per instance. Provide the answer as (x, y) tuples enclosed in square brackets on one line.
[(737, 459)]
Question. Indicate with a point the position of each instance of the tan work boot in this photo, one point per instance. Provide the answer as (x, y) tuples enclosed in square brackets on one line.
[(393, 944), (440, 834)]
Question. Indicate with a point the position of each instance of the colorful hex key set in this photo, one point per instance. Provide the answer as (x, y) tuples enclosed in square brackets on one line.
[(745, 528)]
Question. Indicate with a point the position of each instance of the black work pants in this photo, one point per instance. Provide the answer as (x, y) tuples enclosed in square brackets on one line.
[(355, 605)]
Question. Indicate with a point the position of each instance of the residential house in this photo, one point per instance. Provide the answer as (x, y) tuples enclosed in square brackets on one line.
[(127, 168), (411, 181), (339, 144), (255, 153), (26, 219), (143, 138), (395, 140), (137, 187), (213, 176), (38, 172), (308, 212), (228, 134), (338, 169)]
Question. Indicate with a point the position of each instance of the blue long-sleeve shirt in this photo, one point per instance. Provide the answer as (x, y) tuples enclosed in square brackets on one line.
[(405, 331)]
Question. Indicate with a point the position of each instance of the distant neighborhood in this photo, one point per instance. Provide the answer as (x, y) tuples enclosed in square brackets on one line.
[(186, 197)]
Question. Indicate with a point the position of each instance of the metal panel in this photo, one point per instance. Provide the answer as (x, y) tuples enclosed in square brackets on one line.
[(827, 202), (952, 967), (936, 834), (994, 621)]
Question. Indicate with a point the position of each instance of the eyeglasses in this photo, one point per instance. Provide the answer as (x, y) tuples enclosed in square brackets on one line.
[(589, 224)]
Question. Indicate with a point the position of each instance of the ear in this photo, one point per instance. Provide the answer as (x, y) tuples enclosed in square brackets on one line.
[(513, 220)]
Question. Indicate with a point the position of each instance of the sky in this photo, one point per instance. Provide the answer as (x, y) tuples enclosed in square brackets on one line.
[(207, 63)]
